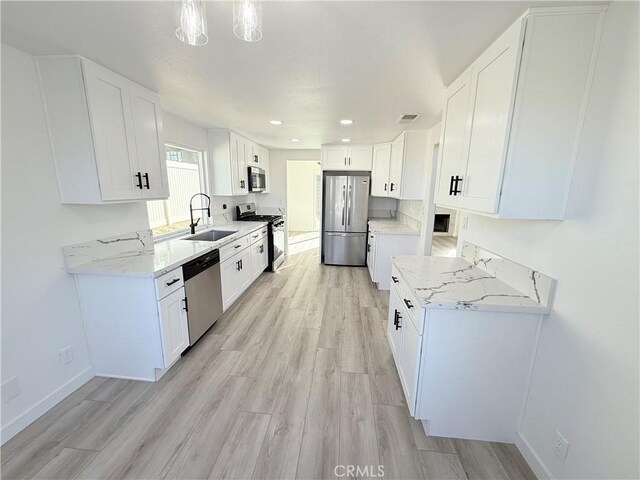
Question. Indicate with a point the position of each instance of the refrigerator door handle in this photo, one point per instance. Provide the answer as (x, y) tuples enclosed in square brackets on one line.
[(349, 206), (344, 202)]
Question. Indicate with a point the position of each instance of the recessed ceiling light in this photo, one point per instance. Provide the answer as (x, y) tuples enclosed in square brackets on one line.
[(346, 140), (276, 122), (346, 121), (295, 139)]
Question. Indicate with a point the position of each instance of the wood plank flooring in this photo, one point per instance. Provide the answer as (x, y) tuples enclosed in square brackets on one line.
[(295, 379), (444, 246)]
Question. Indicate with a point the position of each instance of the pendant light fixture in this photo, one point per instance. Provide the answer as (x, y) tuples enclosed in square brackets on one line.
[(247, 20), (193, 23)]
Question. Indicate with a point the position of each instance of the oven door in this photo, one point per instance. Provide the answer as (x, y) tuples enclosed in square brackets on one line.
[(278, 247), (257, 179)]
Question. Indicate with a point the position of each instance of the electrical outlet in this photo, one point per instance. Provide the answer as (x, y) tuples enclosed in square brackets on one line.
[(66, 355), (560, 446), (10, 389)]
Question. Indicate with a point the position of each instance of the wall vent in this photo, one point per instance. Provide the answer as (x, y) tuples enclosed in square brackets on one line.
[(408, 117)]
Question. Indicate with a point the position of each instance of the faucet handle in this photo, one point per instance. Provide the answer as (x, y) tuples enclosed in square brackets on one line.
[(196, 222)]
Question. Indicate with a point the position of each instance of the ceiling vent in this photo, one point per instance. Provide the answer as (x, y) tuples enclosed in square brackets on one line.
[(408, 117)]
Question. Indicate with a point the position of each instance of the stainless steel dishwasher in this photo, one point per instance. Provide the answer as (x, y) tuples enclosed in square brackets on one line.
[(203, 293)]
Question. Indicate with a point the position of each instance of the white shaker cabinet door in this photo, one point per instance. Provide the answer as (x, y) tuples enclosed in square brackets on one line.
[(113, 133), (147, 124), (245, 276), (409, 360), (452, 161), (394, 329), (229, 280), (360, 158), (493, 80), (334, 158), (173, 325), (259, 257), (395, 167), (380, 170)]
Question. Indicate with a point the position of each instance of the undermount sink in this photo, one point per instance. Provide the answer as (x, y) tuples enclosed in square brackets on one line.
[(210, 235)]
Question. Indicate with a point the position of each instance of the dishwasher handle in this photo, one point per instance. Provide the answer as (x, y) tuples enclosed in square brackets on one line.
[(200, 264)]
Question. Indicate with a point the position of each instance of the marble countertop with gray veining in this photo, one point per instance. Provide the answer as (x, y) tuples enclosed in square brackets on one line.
[(455, 283), (390, 226), (160, 257)]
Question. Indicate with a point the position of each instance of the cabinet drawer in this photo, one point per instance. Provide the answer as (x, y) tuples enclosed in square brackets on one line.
[(258, 235), (169, 282), (234, 247), (408, 300)]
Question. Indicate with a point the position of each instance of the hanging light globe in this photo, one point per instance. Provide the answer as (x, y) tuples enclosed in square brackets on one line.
[(247, 20), (193, 23)]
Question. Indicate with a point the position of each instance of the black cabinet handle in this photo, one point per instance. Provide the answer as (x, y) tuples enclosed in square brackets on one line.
[(349, 160), (368, 247), (237, 246), (395, 317), (398, 317), (186, 304), (395, 279), (261, 248), (238, 266), (139, 175), (408, 303), (241, 265), (345, 160), (453, 185), (255, 157), (391, 188), (172, 282), (146, 180), (385, 187)]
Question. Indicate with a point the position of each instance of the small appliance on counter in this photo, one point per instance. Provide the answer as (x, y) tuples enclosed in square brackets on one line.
[(344, 218), (247, 212)]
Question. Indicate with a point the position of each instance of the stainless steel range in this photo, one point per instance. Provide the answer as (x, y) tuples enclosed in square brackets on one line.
[(247, 212)]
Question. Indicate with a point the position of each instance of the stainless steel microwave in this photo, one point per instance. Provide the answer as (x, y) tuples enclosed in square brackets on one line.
[(257, 179)]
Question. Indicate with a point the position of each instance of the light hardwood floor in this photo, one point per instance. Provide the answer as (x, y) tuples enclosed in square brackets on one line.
[(444, 246), (295, 379)]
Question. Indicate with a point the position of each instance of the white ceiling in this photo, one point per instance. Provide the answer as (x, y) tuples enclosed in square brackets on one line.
[(317, 63)]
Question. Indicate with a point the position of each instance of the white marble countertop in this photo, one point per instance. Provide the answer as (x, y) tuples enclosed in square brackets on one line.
[(454, 283), (390, 226), (164, 256)]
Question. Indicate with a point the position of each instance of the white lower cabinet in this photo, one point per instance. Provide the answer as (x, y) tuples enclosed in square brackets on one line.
[(229, 281), (463, 372), (383, 246), (259, 256), (394, 331), (244, 260), (141, 334), (173, 325)]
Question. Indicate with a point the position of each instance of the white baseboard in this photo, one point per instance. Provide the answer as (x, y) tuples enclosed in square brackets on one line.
[(532, 458), (18, 424)]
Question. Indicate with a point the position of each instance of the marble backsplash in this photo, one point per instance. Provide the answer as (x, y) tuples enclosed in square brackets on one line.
[(532, 283)]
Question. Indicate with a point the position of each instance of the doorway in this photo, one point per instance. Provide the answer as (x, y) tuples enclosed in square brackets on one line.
[(304, 205)]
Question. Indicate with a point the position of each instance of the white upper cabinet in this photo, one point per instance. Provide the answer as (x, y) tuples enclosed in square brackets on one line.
[(229, 156), (398, 167), (512, 121), (380, 170), (106, 133), (147, 127), (341, 157)]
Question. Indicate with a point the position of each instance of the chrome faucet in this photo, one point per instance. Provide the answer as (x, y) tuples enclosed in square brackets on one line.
[(191, 210)]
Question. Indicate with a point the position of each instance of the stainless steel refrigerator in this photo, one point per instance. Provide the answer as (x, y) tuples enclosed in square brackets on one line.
[(346, 205)]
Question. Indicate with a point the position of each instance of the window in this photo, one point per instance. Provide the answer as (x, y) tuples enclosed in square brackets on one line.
[(185, 170)]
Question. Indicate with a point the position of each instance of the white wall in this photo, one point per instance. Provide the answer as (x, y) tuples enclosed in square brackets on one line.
[(301, 195), (585, 378), (40, 310), (277, 196)]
